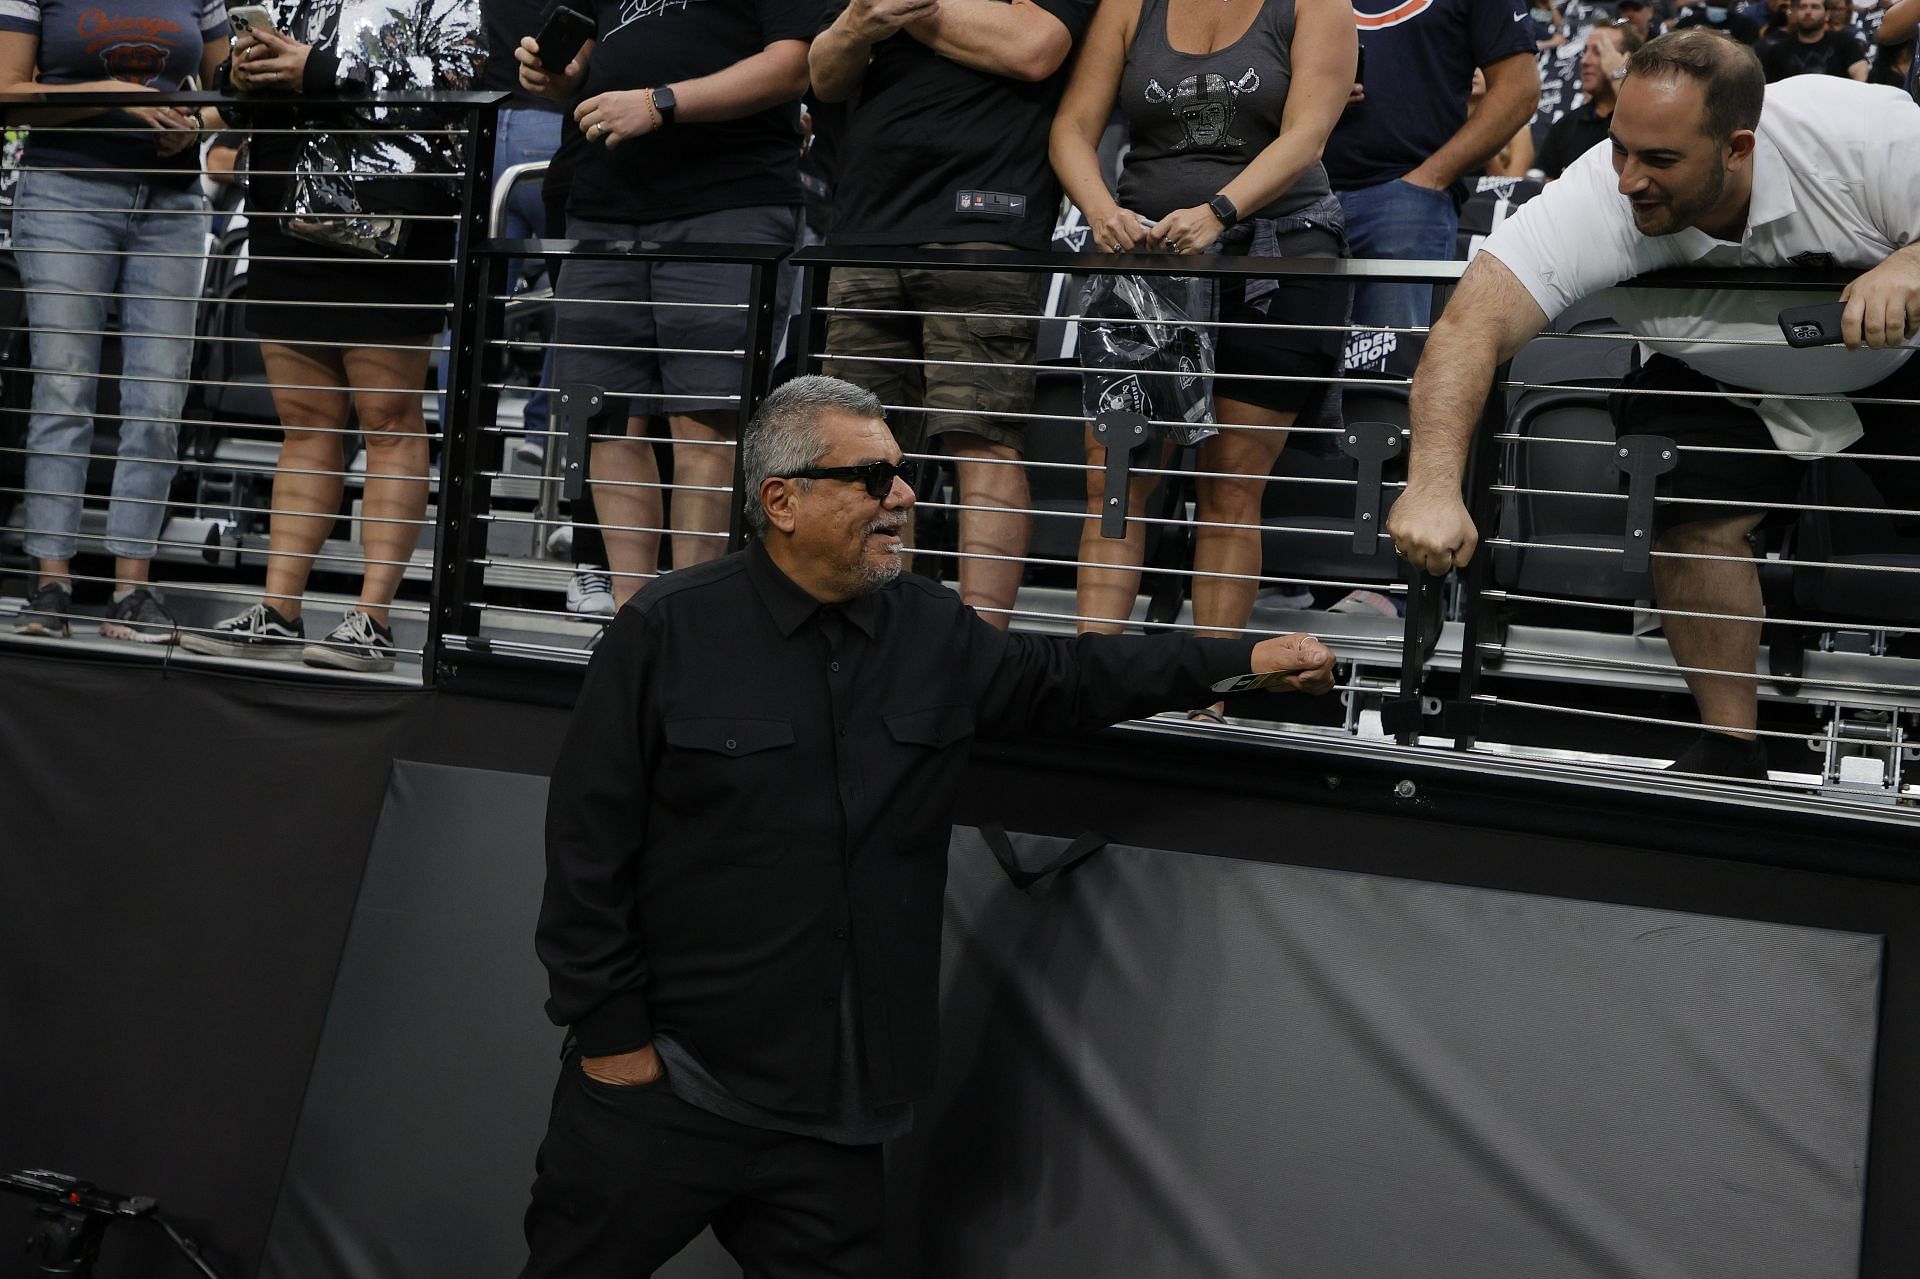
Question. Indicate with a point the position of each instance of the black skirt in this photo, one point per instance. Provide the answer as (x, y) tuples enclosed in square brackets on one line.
[(300, 299)]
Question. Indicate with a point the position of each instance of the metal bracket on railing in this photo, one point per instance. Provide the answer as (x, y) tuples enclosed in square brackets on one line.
[(1644, 458), (1864, 752), (577, 404), (1372, 445), (1121, 434), (1405, 715)]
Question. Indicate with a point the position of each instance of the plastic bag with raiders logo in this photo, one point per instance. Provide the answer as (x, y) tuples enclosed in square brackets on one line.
[(1146, 344)]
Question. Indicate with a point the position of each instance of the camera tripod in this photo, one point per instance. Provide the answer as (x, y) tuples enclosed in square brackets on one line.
[(71, 1217)]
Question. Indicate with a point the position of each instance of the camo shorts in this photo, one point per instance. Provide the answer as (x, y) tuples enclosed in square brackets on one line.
[(959, 352)]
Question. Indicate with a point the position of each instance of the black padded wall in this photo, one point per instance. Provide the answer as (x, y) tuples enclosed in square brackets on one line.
[(181, 855)]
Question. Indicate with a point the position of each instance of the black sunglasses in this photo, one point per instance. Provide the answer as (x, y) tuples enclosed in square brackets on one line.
[(877, 476)]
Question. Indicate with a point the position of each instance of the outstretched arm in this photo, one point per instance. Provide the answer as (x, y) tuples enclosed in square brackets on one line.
[(1489, 319)]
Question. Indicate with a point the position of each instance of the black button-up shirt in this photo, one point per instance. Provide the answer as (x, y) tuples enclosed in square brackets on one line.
[(756, 791)]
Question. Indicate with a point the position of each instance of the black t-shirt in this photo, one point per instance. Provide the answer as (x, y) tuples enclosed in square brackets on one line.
[(938, 153), (1831, 54), (1572, 136), (685, 169), (505, 22), (1420, 56)]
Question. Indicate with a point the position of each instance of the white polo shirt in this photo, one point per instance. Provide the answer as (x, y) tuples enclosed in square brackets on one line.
[(1836, 184)]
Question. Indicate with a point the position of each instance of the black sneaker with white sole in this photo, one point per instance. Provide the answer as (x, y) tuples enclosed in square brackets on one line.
[(260, 632), (358, 644), (48, 612), (141, 617)]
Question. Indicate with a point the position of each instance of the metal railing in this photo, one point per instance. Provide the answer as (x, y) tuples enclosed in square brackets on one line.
[(165, 313), (1546, 648)]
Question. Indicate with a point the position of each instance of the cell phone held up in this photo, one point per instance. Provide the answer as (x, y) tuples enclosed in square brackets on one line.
[(1817, 325), (561, 37), (250, 17)]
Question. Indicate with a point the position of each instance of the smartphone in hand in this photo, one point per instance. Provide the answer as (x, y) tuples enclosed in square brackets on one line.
[(561, 37), (1817, 325), (250, 17)]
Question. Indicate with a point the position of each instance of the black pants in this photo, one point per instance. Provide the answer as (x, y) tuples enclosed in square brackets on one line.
[(1762, 476), (627, 1177)]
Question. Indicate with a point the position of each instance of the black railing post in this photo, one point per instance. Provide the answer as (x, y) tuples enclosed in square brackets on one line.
[(460, 535), (756, 365), (810, 333), (1461, 717)]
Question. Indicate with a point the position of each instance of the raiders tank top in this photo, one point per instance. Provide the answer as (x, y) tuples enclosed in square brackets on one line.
[(1197, 119)]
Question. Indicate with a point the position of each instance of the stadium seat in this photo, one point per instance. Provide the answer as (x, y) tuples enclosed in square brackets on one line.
[(231, 380), (1849, 544), (1581, 522), (1564, 354)]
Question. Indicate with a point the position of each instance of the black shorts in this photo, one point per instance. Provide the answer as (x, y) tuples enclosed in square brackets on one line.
[(1294, 353), (1731, 485)]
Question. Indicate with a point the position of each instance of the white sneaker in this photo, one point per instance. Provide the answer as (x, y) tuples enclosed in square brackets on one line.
[(560, 541), (532, 449), (590, 592)]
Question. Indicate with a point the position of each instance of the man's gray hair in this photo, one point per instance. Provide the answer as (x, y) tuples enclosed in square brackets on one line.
[(784, 435)]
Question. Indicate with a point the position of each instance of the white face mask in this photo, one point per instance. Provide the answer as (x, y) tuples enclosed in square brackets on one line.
[(1716, 16)]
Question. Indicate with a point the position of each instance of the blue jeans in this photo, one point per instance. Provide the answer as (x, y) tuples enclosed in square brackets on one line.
[(82, 240), (1398, 220)]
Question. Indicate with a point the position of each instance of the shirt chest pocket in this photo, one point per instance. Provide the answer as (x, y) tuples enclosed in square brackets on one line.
[(930, 757), (936, 726), (727, 774)]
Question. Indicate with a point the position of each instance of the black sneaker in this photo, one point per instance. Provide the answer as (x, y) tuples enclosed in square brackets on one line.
[(358, 644), (1723, 755), (141, 617), (48, 612), (259, 632)]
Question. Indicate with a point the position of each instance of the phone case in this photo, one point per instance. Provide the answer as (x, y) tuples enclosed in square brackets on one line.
[(1817, 325)]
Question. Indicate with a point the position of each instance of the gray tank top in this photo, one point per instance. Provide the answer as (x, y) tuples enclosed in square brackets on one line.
[(1197, 119)]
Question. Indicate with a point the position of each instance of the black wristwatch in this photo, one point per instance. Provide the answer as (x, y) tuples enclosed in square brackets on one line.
[(1224, 210), (664, 103)]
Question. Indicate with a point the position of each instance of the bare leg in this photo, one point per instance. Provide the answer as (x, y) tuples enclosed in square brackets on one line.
[(700, 462), (1727, 702), (1109, 593), (625, 510), (991, 585), (131, 572), (307, 483), (395, 498), (55, 571), (1221, 605)]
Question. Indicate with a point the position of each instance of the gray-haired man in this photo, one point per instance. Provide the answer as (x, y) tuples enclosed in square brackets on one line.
[(746, 850)]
